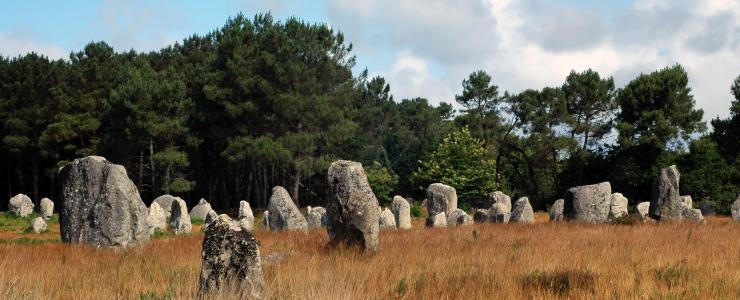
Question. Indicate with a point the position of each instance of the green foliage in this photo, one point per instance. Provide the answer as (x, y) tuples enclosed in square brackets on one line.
[(382, 181), (459, 161), (416, 210)]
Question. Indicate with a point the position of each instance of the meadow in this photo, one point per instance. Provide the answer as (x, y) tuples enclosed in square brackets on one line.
[(544, 260)]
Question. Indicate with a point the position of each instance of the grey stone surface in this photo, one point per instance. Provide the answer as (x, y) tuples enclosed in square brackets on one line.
[(735, 210), (38, 225), (316, 217), (441, 198), (401, 212), (165, 202), (231, 262), (387, 220), (200, 210), (46, 208), (618, 207), (692, 214), (246, 217), (437, 221), (180, 219), (499, 213), (500, 197), (665, 202), (156, 219), (588, 203), (352, 208), (266, 220), (688, 201), (480, 216), (643, 210), (210, 217), (284, 214), (522, 211), (20, 205), (708, 208), (100, 205), (556, 211), (459, 217)]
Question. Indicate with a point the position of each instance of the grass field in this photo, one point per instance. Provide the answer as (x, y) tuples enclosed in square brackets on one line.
[(545, 260)]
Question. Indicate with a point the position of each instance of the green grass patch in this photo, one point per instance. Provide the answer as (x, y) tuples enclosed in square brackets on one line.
[(197, 221), (11, 222), (29, 241)]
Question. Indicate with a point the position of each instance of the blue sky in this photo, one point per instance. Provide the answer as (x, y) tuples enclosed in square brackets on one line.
[(426, 47)]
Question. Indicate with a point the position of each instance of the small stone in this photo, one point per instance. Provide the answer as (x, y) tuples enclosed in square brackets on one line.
[(401, 212), (735, 209), (522, 211), (38, 225), (618, 206), (556, 210), (316, 217), (437, 221), (688, 201), (459, 217), (20, 205), (156, 219), (46, 208), (266, 220), (500, 197), (692, 214), (643, 210), (387, 220), (480, 216), (180, 219), (246, 217), (200, 211), (284, 214), (499, 213)]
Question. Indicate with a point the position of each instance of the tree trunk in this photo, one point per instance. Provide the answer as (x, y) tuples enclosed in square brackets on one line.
[(35, 175), (152, 168), (166, 183), (141, 167), (294, 188)]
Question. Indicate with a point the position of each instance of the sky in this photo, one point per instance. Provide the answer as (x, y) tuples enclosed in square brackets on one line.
[(425, 48)]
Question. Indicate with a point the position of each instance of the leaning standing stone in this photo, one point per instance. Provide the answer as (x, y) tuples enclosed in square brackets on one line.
[(735, 210), (231, 262), (200, 211), (588, 203), (100, 205), (401, 212), (437, 221), (556, 210), (20, 205), (284, 215), (499, 213), (522, 211), (38, 225), (352, 209), (386, 220), (665, 203), (157, 218), (459, 217), (180, 219), (46, 208), (441, 199), (618, 207)]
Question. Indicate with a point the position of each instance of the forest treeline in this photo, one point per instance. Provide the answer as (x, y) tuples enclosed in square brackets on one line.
[(257, 103)]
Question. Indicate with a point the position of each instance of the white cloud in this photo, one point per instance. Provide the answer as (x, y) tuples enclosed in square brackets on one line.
[(12, 46), (413, 74)]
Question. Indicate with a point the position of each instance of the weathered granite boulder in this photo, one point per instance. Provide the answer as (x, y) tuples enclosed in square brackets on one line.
[(246, 217), (437, 221), (522, 211), (692, 214), (20, 205), (665, 202), (387, 220), (180, 219), (352, 208), (100, 205), (688, 201), (165, 202), (480, 216), (38, 225), (157, 218), (46, 208), (284, 215), (643, 210), (588, 203), (316, 217), (708, 208), (401, 212), (500, 197), (618, 207), (556, 210), (441, 199), (459, 217), (735, 210), (231, 262), (499, 213), (200, 210)]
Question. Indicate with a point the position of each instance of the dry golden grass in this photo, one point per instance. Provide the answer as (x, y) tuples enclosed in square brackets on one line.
[(545, 260)]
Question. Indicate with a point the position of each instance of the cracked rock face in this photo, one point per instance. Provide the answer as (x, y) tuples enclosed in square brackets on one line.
[(589, 203), (665, 202), (231, 262), (352, 209), (100, 205)]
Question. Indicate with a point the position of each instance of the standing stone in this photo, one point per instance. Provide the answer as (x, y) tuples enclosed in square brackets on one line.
[(459, 217), (387, 220), (20, 205), (210, 217), (437, 221), (165, 202), (316, 217), (231, 262), (246, 217), (665, 202), (522, 211), (735, 209), (284, 215), (708, 208), (643, 210), (500, 197), (618, 207), (180, 219), (266, 220), (441, 199), (499, 213), (46, 208), (480, 216), (556, 210), (588, 203), (200, 210), (157, 218), (38, 225), (401, 212), (688, 201), (352, 208), (692, 214), (100, 205)]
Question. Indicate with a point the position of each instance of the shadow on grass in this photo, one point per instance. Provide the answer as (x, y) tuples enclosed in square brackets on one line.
[(559, 282)]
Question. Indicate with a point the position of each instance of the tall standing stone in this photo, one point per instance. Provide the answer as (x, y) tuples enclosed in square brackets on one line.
[(387, 220), (441, 198), (46, 208), (246, 217), (20, 205), (618, 206), (100, 205), (556, 210), (200, 210), (165, 202), (522, 211), (352, 208), (459, 217), (401, 212), (735, 209), (665, 202), (231, 262), (157, 218), (588, 203), (284, 215), (180, 219)]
